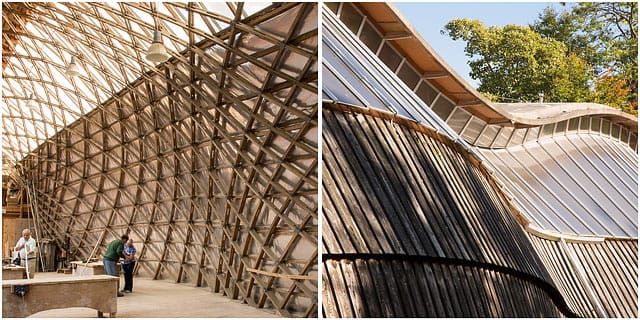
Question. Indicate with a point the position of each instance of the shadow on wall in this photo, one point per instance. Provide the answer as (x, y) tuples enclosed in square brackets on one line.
[(413, 229)]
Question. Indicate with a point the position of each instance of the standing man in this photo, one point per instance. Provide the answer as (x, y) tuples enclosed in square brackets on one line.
[(111, 257), (128, 264), (27, 247)]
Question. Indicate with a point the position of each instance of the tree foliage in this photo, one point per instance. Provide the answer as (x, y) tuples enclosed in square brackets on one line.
[(586, 52), (605, 36), (516, 63), (613, 91)]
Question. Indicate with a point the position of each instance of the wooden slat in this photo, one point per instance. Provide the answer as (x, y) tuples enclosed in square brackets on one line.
[(370, 291), (442, 206), (437, 184), (613, 279), (451, 287)]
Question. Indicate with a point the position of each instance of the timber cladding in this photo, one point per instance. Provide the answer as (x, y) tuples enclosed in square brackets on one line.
[(609, 268), (383, 287), (209, 163), (404, 207)]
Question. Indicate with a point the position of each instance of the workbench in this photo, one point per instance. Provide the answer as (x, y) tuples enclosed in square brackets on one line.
[(96, 292), (14, 272), (80, 268)]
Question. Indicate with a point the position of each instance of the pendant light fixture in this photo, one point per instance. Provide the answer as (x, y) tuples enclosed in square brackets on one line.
[(72, 69), (157, 53), (31, 103)]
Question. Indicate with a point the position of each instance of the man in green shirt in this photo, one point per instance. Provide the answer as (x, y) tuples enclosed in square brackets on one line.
[(111, 257)]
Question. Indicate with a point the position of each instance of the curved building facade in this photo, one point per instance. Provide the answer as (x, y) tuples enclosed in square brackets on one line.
[(438, 202)]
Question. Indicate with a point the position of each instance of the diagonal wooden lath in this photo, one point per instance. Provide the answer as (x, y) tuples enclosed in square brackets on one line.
[(202, 162)]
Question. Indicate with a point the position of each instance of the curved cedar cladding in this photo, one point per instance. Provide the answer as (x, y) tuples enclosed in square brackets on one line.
[(609, 269), (559, 266), (398, 194), (397, 288), (393, 191)]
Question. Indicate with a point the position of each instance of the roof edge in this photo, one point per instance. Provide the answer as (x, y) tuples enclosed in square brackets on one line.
[(505, 117), (486, 171)]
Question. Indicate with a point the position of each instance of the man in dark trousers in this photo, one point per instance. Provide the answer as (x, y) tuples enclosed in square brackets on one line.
[(111, 257), (128, 264)]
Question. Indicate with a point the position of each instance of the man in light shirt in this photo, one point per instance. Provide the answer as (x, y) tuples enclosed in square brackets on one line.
[(27, 247)]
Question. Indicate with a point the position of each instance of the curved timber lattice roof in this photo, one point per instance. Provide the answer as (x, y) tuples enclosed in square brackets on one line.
[(109, 40), (207, 160)]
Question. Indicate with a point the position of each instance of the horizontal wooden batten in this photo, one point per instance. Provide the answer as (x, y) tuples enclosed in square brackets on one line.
[(390, 287)]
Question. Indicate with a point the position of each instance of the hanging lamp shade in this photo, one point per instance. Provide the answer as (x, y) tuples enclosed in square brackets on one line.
[(31, 103), (157, 52), (72, 69)]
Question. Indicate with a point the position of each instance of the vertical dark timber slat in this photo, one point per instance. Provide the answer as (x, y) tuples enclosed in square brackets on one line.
[(402, 282), (330, 242), (330, 168), (383, 211), (468, 294), (369, 300), (415, 294), (352, 218), (371, 303), (363, 168), (442, 283), (342, 292), (387, 267), (427, 170), (380, 156), (438, 161), (429, 207), (395, 172), (378, 190), (329, 304), (357, 294), (380, 283), (431, 283), (480, 297)]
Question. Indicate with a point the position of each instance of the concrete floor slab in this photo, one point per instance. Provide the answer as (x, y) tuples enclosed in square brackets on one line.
[(161, 299)]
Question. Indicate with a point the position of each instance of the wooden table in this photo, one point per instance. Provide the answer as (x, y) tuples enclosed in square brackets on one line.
[(14, 272), (80, 268), (95, 292)]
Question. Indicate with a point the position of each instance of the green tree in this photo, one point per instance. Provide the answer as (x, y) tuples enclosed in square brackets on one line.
[(516, 63), (605, 35), (613, 91)]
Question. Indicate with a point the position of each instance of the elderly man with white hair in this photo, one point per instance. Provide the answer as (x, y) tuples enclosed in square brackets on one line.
[(27, 247)]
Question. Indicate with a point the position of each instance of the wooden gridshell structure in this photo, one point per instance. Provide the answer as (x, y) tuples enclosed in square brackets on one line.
[(208, 161)]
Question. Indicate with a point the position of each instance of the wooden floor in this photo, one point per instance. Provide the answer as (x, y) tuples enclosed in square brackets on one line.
[(163, 299)]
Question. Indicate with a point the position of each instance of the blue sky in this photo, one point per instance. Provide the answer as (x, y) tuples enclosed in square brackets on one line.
[(428, 18)]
